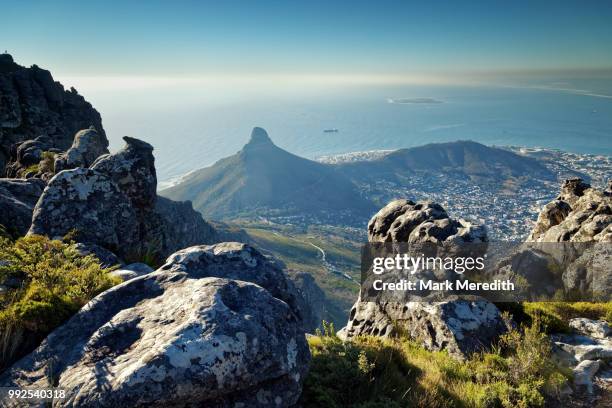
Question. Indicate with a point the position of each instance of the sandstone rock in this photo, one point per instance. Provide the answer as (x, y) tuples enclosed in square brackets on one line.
[(171, 339), (580, 214), (460, 326), (593, 328), (133, 170), (92, 205), (234, 260), (33, 104), (406, 221), (87, 146), (132, 271), (17, 200)]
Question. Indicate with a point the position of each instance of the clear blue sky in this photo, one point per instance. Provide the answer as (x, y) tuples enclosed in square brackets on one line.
[(306, 37)]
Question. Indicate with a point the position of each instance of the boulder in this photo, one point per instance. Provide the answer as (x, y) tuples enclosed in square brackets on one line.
[(580, 213), (33, 104), (119, 187), (406, 221), (460, 326), (133, 170), (167, 339), (17, 200), (91, 205), (234, 260), (86, 147), (32, 158), (594, 328)]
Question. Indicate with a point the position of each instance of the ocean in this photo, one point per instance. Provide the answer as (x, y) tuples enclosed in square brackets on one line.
[(192, 125)]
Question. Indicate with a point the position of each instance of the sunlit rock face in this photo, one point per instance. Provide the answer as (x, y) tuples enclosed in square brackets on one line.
[(458, 326), (180, 336)]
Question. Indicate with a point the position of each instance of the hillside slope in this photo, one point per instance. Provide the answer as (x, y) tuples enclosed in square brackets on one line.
[(263, 176)]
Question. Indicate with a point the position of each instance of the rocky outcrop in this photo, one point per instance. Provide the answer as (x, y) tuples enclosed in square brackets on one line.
[(133, 170), (113, 204), (32, 104), (178, 337), (580, 213), (406, 221), (314, 296), (32, 158), (91, 205), (132, 271), (17, 200), (459, 326), (181, 226), (598, 329), (87, 146)]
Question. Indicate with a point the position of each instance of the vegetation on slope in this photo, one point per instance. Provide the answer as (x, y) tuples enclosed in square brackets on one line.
[(50, 281), (375, 372)]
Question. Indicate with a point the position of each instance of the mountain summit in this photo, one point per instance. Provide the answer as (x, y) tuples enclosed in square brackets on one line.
[(262, 177)]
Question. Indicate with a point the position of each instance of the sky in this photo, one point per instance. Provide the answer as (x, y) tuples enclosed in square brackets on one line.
[(360, 39)]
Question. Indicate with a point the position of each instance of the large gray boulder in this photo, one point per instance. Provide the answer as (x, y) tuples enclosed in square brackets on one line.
[(33, 104), (133, 170), (172, 339), (234, 260), (17, 200), (87, 146), (113, 204), (89, 203), (459, 326)]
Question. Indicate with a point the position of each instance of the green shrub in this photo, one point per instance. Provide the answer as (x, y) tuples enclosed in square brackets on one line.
[(55, 282), (375, 372)]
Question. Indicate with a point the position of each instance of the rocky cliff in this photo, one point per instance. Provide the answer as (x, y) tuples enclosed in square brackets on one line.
[(32, 104)]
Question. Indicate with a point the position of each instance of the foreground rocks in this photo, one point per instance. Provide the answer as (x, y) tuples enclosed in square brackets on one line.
[(87, 146), (180, 336), (587, 351), (459, 326), (33, 104)]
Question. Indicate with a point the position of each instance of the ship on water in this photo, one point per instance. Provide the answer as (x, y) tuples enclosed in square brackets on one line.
[(331, 130)]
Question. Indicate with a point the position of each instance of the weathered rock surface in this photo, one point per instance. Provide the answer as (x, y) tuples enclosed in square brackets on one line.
[(106, 257), (594, 328), (314, 297), (32, 104), (113, 204), (460, 326), (89, 203), (580, 213), (176, 337), (28, 159), (406, 221), (17, 200), (87, 146), (234, 260), (133, 170)]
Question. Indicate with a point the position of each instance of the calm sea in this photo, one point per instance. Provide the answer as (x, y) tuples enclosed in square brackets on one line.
[(193, 126)]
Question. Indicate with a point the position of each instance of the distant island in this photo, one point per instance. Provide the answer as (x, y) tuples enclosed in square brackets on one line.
[(403, 101)]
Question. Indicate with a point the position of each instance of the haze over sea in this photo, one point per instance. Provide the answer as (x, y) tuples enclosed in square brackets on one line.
[(193, 123)]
